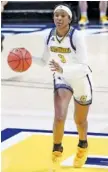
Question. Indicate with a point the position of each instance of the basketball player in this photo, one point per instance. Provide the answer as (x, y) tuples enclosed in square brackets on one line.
[(102, 7), (72, 78)]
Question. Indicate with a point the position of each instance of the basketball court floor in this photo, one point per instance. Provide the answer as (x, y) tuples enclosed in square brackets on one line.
[(27, 114)]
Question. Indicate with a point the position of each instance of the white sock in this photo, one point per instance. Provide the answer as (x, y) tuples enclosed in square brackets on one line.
[(84, 14), (102, 14)]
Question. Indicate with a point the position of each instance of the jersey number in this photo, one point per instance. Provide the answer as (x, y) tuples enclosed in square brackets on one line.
[(62, 58)]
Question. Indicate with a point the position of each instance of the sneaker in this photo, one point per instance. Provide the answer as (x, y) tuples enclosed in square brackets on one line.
[(56, 158), (104, 20), (80, 157), (83, 21)]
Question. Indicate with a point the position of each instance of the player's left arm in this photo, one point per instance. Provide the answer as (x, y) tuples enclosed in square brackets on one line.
[(80, 45)]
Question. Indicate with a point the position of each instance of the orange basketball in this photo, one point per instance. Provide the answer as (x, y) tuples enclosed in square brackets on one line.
[(19, 59)]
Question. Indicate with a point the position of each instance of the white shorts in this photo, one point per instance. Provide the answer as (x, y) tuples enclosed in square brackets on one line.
[(81, 88)]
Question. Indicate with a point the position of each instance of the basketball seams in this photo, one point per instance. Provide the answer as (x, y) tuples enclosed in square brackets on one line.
[(20, 57), (26, 58), (17, 64), (15, 55), (17, 60)]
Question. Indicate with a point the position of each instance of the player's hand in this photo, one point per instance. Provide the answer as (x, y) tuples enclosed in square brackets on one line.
[(2, 8), (54, 66), (3, 3)]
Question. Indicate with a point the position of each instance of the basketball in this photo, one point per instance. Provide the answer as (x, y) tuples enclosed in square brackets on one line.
[(19, 59)]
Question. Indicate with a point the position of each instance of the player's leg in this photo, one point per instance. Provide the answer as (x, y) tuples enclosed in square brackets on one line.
[(103, 10), (83, 99), (62, 97), (61, 101), (80, 117), (83, 8)]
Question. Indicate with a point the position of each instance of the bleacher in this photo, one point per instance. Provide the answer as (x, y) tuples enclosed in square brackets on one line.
[(41, 11), (29, 11)]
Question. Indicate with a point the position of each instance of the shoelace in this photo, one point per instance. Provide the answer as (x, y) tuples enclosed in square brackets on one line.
[(80, 153)]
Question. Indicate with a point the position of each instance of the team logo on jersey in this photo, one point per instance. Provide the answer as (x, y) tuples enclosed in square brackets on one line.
[(60, 49), (83, 99)]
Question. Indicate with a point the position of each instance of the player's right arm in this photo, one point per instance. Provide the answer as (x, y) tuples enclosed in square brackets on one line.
[(3, 3), (34, 42), (42, 61)]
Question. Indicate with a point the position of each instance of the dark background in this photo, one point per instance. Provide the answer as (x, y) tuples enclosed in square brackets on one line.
[(41, 11)]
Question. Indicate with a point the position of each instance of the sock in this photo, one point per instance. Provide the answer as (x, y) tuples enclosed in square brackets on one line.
[(83, 144), (57, 147), (102, 14), (84, 14)]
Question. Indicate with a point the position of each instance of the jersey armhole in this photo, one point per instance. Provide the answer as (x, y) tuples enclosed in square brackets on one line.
[(49, 36), (71, 37)]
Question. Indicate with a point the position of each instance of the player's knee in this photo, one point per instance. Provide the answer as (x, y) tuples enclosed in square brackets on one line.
[(60, 114), (80, 122), (59, 120), (60, 117)]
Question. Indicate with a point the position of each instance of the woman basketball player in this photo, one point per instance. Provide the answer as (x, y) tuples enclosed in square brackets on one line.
[(72, 77)]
